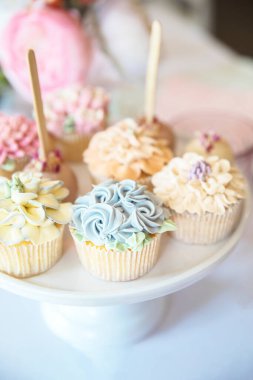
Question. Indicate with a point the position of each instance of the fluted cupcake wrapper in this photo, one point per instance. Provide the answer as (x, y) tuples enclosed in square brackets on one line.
[(26, 259), (112, 265), (207, 228), (72, 146)]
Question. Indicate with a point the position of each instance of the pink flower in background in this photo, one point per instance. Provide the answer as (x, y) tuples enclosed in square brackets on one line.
[(62, 49)]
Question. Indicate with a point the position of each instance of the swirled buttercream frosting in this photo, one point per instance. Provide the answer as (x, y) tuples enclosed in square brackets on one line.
[(31, 208), (127, 150), (119, 215), (196, 184)]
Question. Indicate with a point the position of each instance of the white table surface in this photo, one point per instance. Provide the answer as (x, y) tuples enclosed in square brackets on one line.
[(206, 334)]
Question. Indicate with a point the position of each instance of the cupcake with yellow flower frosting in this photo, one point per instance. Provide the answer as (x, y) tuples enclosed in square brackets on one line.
[(32, 219), (126, 150), (205, 196), (116, 229)]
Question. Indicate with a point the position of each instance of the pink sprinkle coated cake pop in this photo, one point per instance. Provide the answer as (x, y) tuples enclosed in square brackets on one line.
[(18, 143)]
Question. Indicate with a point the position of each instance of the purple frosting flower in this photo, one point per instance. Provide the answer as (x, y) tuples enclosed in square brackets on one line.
[(208, 140), (200, 170)]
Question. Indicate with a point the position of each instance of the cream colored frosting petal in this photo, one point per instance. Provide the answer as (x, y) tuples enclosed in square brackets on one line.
[(13, 218), (22, 198), (4, 216), (34, 215), (49, 233), (31, 233), (60, 193), (38, 234), (50, 186), (48, 200), (10, 235), (62, 215), (7, 204)]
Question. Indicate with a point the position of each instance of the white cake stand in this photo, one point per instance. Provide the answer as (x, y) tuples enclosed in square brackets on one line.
[(89, 313)]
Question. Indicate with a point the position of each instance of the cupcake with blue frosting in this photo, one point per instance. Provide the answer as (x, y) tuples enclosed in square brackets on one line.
[(117, 229)]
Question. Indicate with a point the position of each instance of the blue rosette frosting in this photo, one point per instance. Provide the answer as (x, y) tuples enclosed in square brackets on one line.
[(119, 215)]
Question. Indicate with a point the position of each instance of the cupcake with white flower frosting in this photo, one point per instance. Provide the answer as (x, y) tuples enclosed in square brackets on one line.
[(32, 219), (117, 228), (205, 196)]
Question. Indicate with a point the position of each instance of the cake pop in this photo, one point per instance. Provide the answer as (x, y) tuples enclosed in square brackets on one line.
[(210, 144)]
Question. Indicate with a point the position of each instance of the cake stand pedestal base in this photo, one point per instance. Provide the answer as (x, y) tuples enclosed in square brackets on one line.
[(88, 328)]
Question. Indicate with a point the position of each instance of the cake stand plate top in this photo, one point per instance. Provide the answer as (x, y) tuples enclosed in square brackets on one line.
[(179, 266)]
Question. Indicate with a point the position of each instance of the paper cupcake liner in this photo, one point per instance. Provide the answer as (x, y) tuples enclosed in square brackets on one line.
[(112, 265), (207, 228), (72, 146), (26, 259)]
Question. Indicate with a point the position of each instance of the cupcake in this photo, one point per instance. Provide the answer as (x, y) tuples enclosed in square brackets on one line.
[(73, 115), (160, 129), (56, 169), (211, 144), (18, 143), (32, 219), (204, 195), (116, 229), (126, 151)]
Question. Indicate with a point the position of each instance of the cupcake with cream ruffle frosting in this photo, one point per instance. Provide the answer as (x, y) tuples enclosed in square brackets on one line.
[(32, 219), (73, 114), (205, 196), (117, 228), (126, 151)]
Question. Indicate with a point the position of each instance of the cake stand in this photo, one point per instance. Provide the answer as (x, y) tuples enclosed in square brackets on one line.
[(89, 313)]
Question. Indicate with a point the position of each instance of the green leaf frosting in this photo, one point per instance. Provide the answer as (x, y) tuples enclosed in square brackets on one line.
[(168, 225), (69, 124)]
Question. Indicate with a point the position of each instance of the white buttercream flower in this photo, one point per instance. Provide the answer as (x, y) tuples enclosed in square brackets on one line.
[(31, 208), (195, 184)]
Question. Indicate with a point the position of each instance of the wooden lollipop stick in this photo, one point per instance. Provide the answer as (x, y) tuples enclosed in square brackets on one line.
[(38, 106), (152, 69)]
